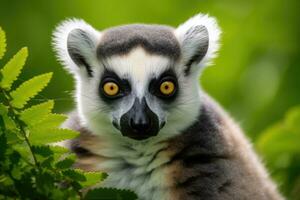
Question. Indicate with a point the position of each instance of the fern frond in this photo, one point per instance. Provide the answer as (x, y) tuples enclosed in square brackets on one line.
[(29, 89), (46, 136), (93, 178), (8, 122), (36, 113), (75, 174), (59, 149), (52, 120), (12, 69), (110, 193), (42, 150), (66, 163), (2, 43)]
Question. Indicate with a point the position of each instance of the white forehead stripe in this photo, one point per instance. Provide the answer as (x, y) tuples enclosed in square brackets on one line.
[(138, 66)]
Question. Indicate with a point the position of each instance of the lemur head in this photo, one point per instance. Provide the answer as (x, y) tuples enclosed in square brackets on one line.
[(138, 81)]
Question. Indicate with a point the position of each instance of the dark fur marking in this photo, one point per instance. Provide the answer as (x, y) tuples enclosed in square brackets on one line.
[(202, 159), (155, 39), (224, 186), (156, 154), (79, 150), (201, 50), (75, 36)]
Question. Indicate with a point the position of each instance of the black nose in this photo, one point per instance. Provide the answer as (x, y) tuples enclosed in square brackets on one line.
[(140, 124)]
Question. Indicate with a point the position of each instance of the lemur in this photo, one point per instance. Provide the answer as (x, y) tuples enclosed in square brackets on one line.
[(145, 120)]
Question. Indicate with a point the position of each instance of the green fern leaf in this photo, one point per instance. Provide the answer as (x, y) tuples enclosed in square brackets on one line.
[(13, 68), (59, 152), (24, 151), (75, 174), (36, 113), (46, 136), (29, 89), (42, 150), (66, 162), (92, 178), (59, 149), (52, 121), (110, 193), (2, 43), (8, 122)]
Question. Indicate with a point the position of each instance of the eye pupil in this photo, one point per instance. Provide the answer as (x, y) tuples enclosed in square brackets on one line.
[(111, 88), (167, 88)]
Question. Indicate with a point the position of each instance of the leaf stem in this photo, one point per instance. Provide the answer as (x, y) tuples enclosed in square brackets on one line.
[(20, 125)]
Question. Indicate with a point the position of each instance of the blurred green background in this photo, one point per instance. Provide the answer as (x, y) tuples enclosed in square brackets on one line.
[(256, 76)]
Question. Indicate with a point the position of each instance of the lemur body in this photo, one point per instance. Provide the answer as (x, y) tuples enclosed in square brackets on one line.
[(144, 119)]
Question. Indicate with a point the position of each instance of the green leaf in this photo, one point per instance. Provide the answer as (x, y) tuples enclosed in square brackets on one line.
[(74, 174), (52, 121), (29, 89), (2, 43), (13, 68), (36, 113), (278, 139), (45, 136), (292, 120), (110, 193), (42, 150), (44, 182), (24, 151), (92, 178), (8, 122), (66, 162), (59, 152), (59, 149), (3, 146)]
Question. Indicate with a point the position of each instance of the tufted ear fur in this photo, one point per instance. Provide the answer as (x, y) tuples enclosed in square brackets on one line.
[(198, 38), (75, 44)]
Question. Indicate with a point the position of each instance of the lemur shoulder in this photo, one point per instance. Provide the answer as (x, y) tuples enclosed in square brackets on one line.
[(145, 120)]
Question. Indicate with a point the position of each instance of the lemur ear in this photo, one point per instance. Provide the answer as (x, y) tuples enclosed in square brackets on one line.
[(199, 41), (75, 44)]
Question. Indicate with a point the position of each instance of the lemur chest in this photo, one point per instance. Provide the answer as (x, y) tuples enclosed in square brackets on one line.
[(142, 172)]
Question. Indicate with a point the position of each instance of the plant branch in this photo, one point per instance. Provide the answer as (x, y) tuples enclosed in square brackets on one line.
[(19, 124)]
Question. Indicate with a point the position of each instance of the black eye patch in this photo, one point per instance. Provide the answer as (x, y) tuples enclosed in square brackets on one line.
[(123, 84), (155, 84)]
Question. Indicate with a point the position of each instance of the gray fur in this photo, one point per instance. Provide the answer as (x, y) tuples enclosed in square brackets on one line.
[(155, 39), (76, 38), (202, 48)]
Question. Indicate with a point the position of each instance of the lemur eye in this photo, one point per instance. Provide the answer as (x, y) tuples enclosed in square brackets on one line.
[(167, 88), (111, 88)]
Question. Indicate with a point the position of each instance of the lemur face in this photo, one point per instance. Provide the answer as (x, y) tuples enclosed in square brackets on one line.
[(137, 81)]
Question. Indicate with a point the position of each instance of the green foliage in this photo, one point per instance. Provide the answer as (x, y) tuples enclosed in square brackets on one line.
[(279, 144), (29, 89), (32, 166), (109, 193), (2, 43), (13, 68), (37, 113)]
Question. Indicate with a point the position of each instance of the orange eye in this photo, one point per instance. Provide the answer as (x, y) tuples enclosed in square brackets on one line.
[(111, 88), (167, 88)]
